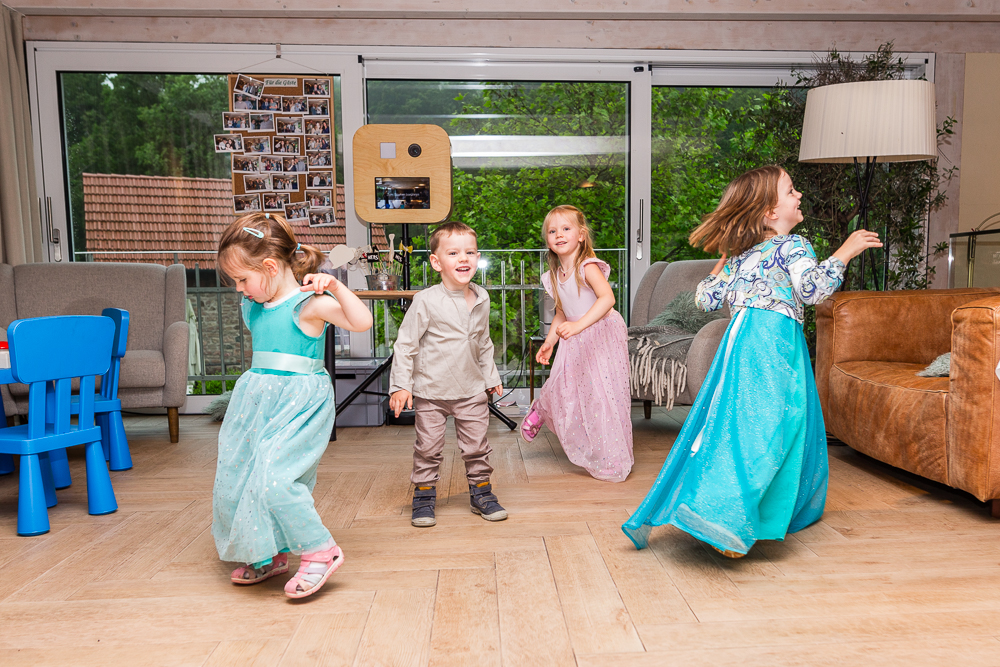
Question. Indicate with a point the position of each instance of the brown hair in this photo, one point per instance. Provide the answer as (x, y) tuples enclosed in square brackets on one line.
[(447, 229), (585, 252), (737, 223), (276, 240)]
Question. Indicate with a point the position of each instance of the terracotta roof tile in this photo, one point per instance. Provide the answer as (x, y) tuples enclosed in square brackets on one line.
[(165, 213)]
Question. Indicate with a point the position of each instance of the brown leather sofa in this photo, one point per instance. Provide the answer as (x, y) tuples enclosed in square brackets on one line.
[(869, 348)]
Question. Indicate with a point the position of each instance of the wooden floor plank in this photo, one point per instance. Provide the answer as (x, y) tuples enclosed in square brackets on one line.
[(466, 628), (398, 629), (645, 587), (595, 614), (325, 640), (532, 626)]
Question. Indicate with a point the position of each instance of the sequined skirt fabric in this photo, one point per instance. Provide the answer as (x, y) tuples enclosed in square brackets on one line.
[(750, 461), (275, 432), (586, 400)]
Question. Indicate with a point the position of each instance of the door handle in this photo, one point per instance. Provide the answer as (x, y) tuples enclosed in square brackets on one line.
[(638, 233)]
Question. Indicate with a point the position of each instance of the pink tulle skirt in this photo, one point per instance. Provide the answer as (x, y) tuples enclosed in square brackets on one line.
[(586, 401)]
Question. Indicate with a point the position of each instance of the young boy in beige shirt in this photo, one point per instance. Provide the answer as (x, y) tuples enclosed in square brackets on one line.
[(443, 365)]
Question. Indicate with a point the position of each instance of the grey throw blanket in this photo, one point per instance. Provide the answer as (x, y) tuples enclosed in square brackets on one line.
[(656, 359)]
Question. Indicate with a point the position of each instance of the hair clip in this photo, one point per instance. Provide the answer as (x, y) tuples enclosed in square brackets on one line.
[(267, 216), (254, 232), (298, 246)]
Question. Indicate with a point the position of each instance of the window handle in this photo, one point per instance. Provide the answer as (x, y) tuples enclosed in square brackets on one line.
[(53, 232), (638, 233)]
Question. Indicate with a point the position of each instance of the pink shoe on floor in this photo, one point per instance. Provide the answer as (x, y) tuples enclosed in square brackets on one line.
[(314, 570), (531, 425), (248, 574)]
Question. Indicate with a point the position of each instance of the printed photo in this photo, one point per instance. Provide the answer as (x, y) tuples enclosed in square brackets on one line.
[(319, 179), (321, 217), (228, 143), (290, 125), (271, 164), (235, 120), (269, 103), (317, 143), (319, 159), (243, 102), (275, 201), (262, 122), (319, 107), (256, 183), (246, 164), (295, 164), (249, 85), (298, 211), (293, 104), (319, 198), (256, 145), (246, 203), (285, 182), (317, 126), (288, 145), (316, 87)]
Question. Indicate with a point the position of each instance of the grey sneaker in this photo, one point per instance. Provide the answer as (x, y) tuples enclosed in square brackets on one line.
[(424, 498), (484, 503)]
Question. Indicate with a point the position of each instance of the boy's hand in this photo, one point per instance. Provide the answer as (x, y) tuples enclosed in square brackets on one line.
[(544, 353), (399, 400), (856, 244), (498, 390), (319, 283)]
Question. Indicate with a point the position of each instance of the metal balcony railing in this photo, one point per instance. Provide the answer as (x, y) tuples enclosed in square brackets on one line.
[(222, 345)]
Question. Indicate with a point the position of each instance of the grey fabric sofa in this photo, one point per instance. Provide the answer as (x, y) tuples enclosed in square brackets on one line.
[(154, 369), (662, 282)]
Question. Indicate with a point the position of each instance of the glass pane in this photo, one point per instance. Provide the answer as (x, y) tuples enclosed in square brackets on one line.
[(695, 135), (147, 185), (518, 149)]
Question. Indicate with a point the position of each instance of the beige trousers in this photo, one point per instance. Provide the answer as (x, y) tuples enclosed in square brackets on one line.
[(472, 418)]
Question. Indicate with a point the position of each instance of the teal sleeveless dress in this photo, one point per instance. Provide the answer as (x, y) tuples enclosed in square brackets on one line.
[(276, 429)]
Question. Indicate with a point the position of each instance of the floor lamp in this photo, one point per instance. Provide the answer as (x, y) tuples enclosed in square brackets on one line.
[(868, 122)]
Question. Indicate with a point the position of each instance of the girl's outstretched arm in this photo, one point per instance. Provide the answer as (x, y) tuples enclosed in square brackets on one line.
[(857, 243), (605, 302), (345, 311), (545, 351)]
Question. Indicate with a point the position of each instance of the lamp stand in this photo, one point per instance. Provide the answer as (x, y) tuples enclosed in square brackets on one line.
[(865, 175)]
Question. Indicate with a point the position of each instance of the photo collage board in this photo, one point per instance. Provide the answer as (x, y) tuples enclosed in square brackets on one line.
[(279, 132)]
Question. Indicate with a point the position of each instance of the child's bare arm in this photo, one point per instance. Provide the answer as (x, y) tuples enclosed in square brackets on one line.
[(345, 311), (545, 351), (605, 302)]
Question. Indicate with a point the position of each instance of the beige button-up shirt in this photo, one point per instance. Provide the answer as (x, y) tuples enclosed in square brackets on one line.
[(443, 351)]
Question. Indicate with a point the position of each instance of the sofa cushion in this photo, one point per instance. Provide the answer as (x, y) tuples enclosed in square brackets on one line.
[(142, 368), (86, 288), (884, 410)]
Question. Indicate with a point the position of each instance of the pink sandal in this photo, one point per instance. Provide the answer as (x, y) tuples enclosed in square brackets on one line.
[(531, 425), (248, 574), (312, 565)]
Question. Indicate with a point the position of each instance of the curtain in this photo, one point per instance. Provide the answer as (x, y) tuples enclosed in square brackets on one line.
[(20, 223)]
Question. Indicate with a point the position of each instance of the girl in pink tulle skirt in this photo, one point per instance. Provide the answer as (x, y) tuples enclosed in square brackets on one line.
[(586, 401)]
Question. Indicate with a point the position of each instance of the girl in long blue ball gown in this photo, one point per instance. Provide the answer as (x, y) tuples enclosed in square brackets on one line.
[(750, 461)]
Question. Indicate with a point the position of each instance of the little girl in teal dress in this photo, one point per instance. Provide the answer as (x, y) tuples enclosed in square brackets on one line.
[(750, 461), (281, 413)]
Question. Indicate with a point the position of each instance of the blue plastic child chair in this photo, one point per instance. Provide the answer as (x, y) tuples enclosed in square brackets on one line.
[(47, 353), (107, 410)]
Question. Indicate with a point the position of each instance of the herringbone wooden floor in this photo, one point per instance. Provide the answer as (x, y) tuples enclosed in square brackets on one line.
[(898, 572)]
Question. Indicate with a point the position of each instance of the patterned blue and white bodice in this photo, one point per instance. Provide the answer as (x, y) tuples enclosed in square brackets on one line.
[(779, 274)]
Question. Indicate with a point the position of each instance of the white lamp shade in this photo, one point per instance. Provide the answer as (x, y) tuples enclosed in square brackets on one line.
[(893, 121)]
